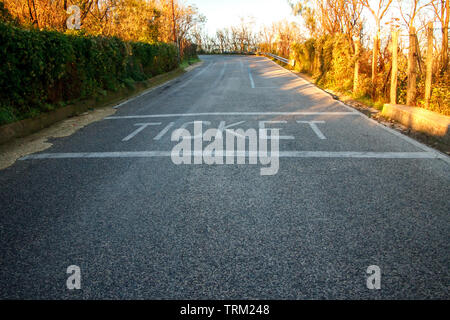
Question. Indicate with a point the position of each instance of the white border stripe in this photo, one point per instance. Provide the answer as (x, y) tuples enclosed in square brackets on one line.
[(168, 115), (281, 154), (415, 143)]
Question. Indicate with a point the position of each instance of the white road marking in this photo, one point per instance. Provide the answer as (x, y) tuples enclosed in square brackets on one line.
[(200, 135), (262, 126), (413, 142), (252, 83), (242, 66), (281, 154), (164, 131), (223, 127), (142, 127), (201, 114), (314, 127)]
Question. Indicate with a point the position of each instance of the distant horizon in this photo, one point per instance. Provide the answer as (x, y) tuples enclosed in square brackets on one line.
[(222, 14)]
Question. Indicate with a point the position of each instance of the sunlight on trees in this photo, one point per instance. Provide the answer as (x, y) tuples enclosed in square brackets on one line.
[(147, 21), (345, 45)]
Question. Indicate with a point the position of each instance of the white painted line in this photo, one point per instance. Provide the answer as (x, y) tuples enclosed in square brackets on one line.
[(164, 131), (314, 127), (252, 83), (350, 154), (142, 127), (223, 127), (264, 137), (415, 143), (281, 154), (418, 144), (201, 114), (242, 66), (134, 154)]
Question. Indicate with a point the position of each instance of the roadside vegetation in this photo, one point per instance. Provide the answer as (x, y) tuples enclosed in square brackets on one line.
[(46, 66), (347, 46)]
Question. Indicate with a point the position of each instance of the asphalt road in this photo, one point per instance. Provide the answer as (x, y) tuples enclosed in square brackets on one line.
[(349, 193)]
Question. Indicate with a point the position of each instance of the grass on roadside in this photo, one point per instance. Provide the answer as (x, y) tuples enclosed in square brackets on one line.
[(187, 62), (369, 102)]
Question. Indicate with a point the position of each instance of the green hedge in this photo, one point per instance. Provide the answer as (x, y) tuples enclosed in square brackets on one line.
[(42, 70)]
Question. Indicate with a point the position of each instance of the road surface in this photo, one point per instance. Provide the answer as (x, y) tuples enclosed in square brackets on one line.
[(349, 193)]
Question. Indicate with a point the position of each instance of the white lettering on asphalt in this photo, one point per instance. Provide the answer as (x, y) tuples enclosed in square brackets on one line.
[(214, 152), (197, 135), (314, 127), (222, 127), (164, 131), (262, 126), (142, 127)]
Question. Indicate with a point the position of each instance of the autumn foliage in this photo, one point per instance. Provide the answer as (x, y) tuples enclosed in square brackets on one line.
[(45, 65)]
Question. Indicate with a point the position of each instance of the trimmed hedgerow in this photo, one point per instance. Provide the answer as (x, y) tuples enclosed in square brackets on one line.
[(41, 70)]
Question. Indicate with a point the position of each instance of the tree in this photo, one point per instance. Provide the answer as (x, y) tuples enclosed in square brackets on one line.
[(331, 16), (409, 14), (442, 12), (378, 13)]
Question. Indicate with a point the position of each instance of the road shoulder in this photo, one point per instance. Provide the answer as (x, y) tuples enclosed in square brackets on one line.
[(19, 147), (376, 115)]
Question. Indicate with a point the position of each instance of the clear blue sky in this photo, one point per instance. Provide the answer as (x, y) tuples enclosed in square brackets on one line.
[(224, 13)]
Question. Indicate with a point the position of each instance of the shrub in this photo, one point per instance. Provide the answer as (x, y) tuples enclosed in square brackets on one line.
[(42, 68), (329, 59)]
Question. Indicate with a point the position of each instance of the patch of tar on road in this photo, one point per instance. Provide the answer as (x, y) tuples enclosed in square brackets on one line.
[(20, 147)]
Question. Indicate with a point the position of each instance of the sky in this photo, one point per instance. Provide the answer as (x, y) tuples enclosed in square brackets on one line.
[(225, 13)]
